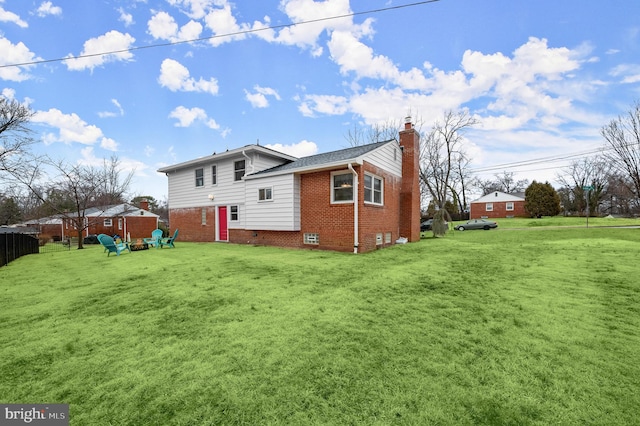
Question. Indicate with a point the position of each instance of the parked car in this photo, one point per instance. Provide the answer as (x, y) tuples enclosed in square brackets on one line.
[(427, 224), (476, 224)]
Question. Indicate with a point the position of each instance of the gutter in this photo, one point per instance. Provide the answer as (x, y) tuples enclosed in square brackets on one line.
[(355, 209), (253, 169)]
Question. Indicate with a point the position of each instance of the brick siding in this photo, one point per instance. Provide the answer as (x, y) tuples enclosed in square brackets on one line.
[(478, 210)]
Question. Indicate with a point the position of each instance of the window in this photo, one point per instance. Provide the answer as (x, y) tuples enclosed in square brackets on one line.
[(214, 175), (265, 194), (199, 177), (107, 222), (120, 223), (238, 169), (234, 213), (489, 207), (387, 238), (311, 238), (509, 206), (203, 216), (379, 238), (372, 189), (342, 187)]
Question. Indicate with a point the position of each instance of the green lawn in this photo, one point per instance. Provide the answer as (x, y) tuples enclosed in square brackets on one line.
[(517, 327)]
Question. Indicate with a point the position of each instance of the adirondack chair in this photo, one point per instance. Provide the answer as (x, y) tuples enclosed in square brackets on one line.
[(169, 241), (110, 245), (156, 236)]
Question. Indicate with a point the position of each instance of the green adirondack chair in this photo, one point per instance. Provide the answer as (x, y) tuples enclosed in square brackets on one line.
[(169, 241), (111, 246), (156, 236)]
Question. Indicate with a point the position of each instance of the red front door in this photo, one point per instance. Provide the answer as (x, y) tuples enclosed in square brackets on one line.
[(223, 229)]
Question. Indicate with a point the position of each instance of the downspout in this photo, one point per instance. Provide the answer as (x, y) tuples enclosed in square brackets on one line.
[(355, 209), (250, 161)]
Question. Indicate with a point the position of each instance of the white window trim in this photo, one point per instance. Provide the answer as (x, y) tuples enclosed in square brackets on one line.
[(510, 206), (266, 200), (195, 175), (107, 222), (374, 177), (244, 171), (337, 173), (214, 175), (237, 219), (120, 224), (488, 207)]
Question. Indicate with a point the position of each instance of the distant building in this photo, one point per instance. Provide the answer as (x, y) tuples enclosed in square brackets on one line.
[(497, 205)]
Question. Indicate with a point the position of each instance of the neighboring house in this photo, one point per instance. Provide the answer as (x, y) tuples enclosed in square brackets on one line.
[(121, 219), (355, 199), (497, 205)]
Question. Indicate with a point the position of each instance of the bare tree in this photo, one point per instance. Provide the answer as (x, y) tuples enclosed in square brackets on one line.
[(589, 171), (442, 156), (72, 189), (15, 135), (622, 150), (379, 132), (505, 182)]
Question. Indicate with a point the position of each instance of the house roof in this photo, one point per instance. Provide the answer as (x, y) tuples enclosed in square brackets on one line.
[(498, 197), (228, 153), (323, 161), (117, 210)]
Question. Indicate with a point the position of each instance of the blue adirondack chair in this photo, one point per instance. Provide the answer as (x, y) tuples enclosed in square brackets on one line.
[(169, 241), (111, 246), (156, 236)]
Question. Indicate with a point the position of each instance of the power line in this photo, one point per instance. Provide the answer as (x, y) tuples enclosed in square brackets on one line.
[(243, 32)]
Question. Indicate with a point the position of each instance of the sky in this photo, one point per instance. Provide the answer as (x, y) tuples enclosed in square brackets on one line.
[(159, 82)]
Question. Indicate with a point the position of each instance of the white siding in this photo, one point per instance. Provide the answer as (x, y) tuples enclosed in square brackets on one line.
[(385, 158), (280, 214), (183, 192)]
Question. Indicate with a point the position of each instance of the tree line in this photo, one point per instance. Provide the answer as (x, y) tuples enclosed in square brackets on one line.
[(607, 182), (36, 186)]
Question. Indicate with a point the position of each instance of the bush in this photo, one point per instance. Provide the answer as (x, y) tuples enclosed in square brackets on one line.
[(43, 239)]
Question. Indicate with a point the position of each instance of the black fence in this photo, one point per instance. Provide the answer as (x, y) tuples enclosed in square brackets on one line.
[(14, 245)]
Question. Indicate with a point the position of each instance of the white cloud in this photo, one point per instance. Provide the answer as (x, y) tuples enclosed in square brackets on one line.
[(90, 57), (108, 144), (629, 73), (195, 9), (110, 114), (175, 77), (222, 22), (301, 149), (6, 16), (47, 8), (323, 104), (125, 17), (70, 126), (186, 117), (259, 98), (15, 54), (163, 26)]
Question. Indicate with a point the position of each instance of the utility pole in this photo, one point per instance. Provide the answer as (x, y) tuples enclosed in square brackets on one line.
[(586, 189)]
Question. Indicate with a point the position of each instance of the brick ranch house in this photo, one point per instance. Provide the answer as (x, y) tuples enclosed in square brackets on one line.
[(121, 219), (356, 199), (497, 205)]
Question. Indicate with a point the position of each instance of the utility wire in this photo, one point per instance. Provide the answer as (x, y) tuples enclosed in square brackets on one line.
[(249, 31)]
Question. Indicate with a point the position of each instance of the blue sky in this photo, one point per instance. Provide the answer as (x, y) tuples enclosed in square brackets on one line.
[(542, 77)]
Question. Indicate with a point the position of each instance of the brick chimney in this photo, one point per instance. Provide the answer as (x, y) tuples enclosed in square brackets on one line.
[(410, 190), (144, 205)]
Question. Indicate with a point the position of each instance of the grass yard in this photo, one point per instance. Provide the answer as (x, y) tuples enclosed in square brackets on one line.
[(505, 327)]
